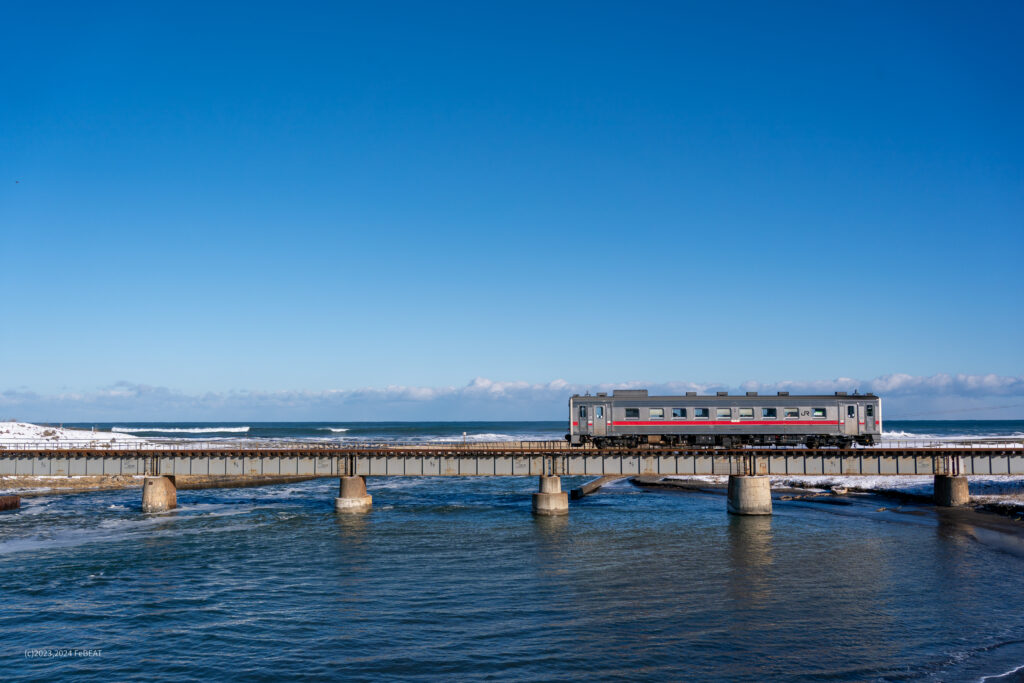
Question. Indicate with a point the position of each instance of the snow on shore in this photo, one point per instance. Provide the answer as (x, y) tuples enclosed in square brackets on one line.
[(1005, 488), (41, 436)]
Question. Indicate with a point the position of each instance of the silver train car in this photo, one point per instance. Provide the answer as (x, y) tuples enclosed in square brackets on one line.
[(630, 418)]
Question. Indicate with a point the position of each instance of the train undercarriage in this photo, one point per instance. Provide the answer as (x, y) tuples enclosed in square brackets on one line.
[(726, 440)]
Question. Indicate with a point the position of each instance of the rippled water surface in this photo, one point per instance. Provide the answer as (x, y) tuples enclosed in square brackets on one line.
[(453, 578)]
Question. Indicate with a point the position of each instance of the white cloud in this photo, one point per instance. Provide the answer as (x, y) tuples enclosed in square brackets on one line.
[(940, 396)]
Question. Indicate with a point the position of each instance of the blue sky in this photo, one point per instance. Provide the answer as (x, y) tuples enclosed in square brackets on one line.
[(314, 198)]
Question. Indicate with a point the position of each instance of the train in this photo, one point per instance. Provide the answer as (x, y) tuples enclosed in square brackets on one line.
[(629, 418)]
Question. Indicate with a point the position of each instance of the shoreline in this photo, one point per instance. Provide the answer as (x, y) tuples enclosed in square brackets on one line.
[(1010, 506), (30, 486)]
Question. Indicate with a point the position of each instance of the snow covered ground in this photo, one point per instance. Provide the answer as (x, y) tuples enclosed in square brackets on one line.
[(27, 435)]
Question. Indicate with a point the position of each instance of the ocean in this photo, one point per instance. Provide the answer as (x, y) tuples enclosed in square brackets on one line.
[(453, 578), (432, 432)]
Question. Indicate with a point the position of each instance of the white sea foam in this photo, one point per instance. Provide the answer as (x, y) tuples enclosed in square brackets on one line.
[(1006, 676), (911, 483), (113, 530), (182, 430), (333, 429), (280, 491), (897, 437), (486, 438), (395, 483), (904, 435)]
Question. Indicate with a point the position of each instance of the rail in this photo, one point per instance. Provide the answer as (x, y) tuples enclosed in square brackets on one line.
[(280, 444)]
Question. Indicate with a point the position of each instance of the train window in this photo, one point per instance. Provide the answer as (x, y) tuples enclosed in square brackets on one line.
[(769, 413), (583, 412), (599, 412), (657, 413), (702, 413), (724, 413), (632, 413), (869, 410), (851, 411), (679, 413), (789, 413), (746, 413), (818, 412)]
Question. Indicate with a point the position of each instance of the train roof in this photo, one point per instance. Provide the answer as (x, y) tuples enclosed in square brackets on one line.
[(690, 395)]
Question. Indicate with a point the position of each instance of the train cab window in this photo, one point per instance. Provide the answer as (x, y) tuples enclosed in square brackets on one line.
[(869, 410), (583, 412), (818, 412), (657, 413), (851, 411), (724, 413), (632, 413), (791, 413), (746, 413), (702, 413), (769, 413), (599, 412), (679, 413)]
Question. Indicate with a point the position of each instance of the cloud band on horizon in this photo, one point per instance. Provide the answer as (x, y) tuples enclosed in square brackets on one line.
[(940, 396)]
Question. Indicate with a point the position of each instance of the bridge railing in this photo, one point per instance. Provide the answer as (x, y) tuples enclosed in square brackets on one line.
[(455, 445)]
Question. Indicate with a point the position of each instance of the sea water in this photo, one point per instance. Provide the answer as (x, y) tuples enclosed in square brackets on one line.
[(431, 432), (453, 578)]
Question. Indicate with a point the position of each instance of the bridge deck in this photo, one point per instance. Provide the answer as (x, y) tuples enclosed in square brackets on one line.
[(510, 460)]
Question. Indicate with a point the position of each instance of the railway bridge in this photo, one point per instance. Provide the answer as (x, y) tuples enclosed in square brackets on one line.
[(748, 469)]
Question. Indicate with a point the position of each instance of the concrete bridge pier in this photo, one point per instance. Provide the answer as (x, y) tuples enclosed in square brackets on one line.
[(749, 495), (951, 490), (159, 494), (352, 496), (550, 500)]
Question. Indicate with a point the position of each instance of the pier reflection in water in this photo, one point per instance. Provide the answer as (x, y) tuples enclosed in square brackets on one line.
[(750, 559), (456, 578)]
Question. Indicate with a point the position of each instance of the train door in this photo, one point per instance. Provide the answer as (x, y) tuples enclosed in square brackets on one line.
[(869, 418), (850, 418), (600, 420), (584, 419)]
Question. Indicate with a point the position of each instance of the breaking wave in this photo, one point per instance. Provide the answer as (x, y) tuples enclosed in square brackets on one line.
[(1007, 676), (181, 430), (483, 438), (334, 429), (965, 435)]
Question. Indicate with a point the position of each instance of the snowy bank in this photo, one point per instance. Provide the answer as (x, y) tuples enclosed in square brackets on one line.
[(1005, 489), (25, 434)]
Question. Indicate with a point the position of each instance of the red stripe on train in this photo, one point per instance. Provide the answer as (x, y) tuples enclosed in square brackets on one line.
[(697, 423)]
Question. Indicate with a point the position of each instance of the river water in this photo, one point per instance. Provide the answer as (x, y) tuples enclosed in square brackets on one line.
[(453, 578)]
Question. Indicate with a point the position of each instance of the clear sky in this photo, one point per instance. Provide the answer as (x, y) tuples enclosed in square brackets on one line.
[(297, 197)]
